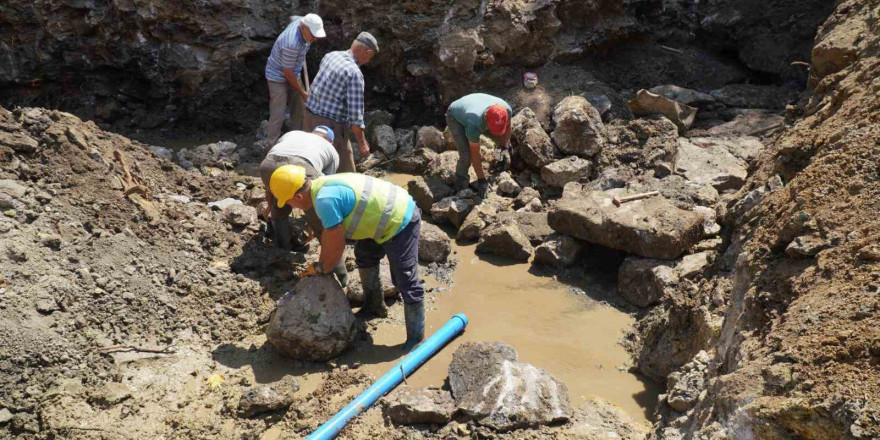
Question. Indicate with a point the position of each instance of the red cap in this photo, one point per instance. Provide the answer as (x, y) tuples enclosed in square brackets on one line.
[(496, 118)]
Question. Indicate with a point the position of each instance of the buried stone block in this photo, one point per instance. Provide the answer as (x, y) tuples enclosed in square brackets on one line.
[(491, 387), (650, 227), (411, 406), (427, 191), (268, 397), (570, 169), (452, 209), (313, 321), (710, 164), (558, 250)]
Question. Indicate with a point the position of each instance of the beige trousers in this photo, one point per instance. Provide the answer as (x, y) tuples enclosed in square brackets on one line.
[(281, 96)]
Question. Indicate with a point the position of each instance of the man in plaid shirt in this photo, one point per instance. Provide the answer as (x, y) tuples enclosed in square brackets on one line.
[(283, 69), (337, 98)]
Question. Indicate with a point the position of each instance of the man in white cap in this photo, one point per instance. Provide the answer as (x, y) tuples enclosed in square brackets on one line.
[(337, 98), (283, 70)]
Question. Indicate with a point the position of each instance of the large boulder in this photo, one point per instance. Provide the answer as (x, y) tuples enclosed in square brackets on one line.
[(476, 221), (570, 169), (434, 244), (411, 406), (531, 144), (384, 140), (443, 167), (710, 164), (216, 154), (493, 388), (431, 138), (558, 250), (579, 128), (427, 191), (506, 239), (647, 103), (313, 321), (649, 143), (651, 227)]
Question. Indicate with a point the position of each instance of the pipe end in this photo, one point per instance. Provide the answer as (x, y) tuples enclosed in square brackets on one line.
[(462, 317)]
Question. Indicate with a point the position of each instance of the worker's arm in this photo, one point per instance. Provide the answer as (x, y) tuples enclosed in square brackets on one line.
[(294, 82), (332, 246), (363, 146), (477, 160)]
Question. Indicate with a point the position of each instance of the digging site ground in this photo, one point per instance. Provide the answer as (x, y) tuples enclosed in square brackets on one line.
[(137, 287)]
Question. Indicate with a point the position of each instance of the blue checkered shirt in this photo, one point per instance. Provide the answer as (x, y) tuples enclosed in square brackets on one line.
[(289, 52), (338, 90)]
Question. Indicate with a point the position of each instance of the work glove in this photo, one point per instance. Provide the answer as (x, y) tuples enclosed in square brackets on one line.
[(504, 163), (312, 270)]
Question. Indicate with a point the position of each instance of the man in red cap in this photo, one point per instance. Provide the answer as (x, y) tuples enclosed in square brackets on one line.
[(468, 118)]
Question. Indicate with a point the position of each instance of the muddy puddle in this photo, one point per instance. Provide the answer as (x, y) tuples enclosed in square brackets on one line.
[(562, 328)]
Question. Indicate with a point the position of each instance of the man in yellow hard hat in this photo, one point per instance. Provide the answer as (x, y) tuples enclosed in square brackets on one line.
[(380, 216)]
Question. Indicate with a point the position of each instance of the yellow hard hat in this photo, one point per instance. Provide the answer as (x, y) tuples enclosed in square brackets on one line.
[(285, 182)]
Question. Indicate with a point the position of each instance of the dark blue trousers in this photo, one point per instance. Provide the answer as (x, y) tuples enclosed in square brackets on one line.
[(403, 254)]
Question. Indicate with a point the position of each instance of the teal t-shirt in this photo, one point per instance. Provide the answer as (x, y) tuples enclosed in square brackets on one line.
[(336, 200), (469, 110)]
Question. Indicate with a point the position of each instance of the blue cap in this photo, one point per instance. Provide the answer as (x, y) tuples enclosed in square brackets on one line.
[(324, 129)]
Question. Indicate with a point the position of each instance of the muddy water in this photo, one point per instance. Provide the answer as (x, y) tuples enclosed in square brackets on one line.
[(573, 336)]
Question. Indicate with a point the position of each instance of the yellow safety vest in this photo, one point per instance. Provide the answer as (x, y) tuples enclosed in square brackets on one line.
[(379, 208)]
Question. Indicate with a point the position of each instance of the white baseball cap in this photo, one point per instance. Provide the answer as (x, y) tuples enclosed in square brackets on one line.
[(315, 25)]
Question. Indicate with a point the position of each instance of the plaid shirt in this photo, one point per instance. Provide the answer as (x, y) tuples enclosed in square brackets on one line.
[(338, 90)]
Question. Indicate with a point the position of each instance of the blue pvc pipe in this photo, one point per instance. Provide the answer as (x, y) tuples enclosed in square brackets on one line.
[(391, 379)]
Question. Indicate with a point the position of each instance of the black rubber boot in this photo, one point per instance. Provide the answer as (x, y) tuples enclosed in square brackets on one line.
[(374, 298), (461, 183), (414, 315), (282, 233), (341, 273)]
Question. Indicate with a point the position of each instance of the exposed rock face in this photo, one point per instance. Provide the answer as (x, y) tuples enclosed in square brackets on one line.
[(427, 192), (434, 244), (411, 406), (710, 164), (269, 397), (558, 250), (531, 143), (686, 386), (579, 128), (650, 227), (490, 386), (313, 321), (505, 239), (570, 169)]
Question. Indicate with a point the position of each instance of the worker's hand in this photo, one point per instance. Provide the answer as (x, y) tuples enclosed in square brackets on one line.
[(304, 95), (504, 163), (311, 270), (363, 150)]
